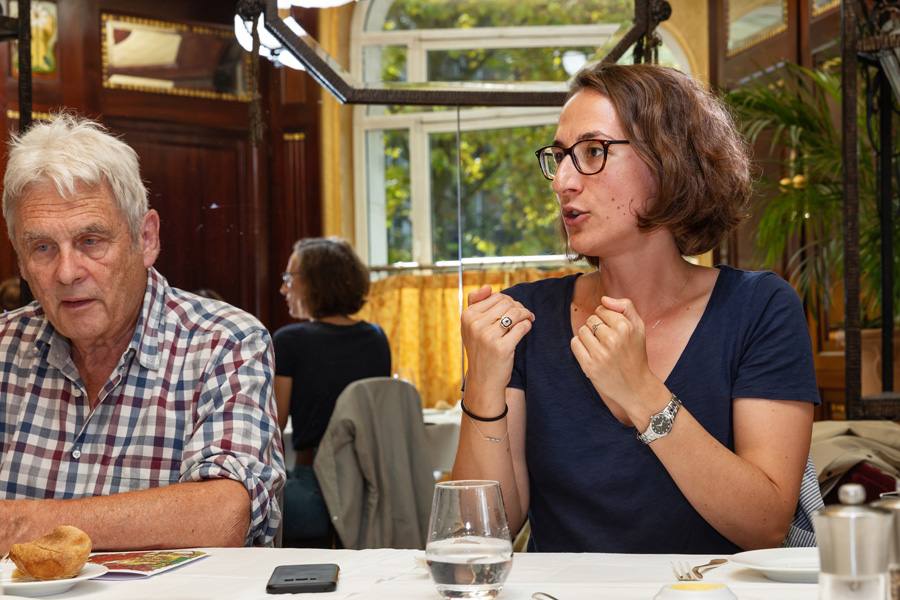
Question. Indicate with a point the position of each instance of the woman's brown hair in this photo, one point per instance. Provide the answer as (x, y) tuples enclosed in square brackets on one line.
[(335, 281), (688, 137)]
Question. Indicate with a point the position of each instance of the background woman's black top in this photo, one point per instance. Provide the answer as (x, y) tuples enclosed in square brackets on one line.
[(322, 359)]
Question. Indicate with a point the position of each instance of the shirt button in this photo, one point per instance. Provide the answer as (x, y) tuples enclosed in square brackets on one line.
[(76, 453), (77, 393)]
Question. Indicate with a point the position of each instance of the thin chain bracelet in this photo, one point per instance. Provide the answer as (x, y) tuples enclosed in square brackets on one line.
[(489, 439)]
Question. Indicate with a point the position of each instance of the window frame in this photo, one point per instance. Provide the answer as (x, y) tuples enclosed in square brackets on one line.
[(370, 243)]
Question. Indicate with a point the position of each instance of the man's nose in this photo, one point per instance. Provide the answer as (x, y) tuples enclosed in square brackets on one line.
[(69, 267)]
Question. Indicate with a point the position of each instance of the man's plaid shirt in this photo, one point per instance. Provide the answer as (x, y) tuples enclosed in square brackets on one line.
[(191, 399)]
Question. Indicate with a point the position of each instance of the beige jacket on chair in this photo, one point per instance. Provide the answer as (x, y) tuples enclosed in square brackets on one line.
[(373, 466)]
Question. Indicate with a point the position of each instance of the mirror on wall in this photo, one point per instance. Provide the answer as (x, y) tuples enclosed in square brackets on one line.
[(173, 58), (820, 6), (750, 22)]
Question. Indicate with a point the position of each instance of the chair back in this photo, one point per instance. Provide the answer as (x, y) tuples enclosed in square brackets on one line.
[(373, 466)]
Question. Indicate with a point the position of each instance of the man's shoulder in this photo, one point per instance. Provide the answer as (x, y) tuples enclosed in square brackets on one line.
[(195, 313), (22, 323)]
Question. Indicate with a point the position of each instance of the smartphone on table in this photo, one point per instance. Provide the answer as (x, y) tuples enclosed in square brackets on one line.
[(294, 579)]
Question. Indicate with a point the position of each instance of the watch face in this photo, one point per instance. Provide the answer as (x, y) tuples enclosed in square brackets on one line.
[(660, 424)]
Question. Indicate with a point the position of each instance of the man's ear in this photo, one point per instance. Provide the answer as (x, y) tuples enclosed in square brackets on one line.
[(150, 237)]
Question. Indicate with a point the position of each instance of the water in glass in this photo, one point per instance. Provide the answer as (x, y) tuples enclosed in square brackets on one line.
[(469, 551)]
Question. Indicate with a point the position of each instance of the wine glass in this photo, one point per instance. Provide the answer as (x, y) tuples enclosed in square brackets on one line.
[(469, 551)]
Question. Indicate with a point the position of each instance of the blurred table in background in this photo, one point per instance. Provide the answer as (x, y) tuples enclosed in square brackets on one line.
[(441, 436)]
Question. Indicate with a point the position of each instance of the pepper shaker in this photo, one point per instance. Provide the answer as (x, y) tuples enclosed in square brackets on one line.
[(853, 547)]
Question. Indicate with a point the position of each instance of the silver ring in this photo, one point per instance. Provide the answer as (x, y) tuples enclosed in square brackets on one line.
[(595, 326), (505, 322)]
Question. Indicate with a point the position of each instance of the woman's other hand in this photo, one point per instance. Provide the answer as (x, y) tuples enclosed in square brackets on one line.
[(492, 326), (612, 351)]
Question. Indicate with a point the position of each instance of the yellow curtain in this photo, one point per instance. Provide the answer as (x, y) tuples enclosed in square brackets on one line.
[(420, 316)]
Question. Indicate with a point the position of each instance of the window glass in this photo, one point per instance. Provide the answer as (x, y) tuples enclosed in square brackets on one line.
[(389, 196), (385, 63), (508, 207), (465, 14), (507, 64)]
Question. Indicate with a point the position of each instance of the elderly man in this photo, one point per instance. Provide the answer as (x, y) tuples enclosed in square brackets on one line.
[(135, 411)]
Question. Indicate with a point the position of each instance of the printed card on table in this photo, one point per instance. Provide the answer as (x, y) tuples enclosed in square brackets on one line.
[(129, 565)]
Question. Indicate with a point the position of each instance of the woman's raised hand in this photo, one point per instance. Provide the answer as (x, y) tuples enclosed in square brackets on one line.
[(492, 326), (612, 351)]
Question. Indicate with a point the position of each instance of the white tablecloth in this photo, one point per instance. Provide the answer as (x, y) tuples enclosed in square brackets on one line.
[(242, 573)]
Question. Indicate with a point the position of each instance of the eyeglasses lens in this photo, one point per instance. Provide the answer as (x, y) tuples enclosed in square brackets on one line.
[(589, 157)]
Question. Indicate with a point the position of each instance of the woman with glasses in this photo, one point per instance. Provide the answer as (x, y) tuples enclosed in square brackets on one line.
[(651, 405), (315, 359)]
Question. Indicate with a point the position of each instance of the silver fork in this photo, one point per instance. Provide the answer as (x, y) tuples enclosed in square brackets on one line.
[(683, 571)]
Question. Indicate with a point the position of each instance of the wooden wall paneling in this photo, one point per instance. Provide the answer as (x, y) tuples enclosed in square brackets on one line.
[(287, 209), (79, 59), (197, 181), (216, 114), (292, 98), (825, 34), (717, 41), (203, 12), (803, 17), (8, 266)]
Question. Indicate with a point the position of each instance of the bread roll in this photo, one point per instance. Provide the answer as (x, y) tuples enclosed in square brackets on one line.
[(58, 555)]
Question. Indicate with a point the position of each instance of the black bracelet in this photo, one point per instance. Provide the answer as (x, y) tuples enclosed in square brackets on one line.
[(462, 405)]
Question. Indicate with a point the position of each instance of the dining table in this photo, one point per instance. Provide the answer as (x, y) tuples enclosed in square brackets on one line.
[(396, 574)]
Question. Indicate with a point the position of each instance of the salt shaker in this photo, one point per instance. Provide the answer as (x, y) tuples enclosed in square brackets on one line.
[(853, 547), (892, 503)]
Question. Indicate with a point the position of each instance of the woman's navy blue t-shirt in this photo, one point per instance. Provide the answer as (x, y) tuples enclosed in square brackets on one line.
[(595, 487), (323, 359)]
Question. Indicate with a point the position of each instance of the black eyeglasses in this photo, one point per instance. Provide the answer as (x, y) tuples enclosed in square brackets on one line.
[(588, 156)]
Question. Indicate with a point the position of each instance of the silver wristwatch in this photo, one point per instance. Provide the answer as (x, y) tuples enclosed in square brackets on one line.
[(661, 422)]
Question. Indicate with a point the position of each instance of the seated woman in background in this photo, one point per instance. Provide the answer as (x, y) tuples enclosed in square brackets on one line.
[(325, 282), (651, 405)]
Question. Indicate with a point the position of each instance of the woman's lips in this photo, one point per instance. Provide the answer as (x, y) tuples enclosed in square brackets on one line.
[(573, 217)]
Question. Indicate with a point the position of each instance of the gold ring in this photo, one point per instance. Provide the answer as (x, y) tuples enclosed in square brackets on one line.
[(505, 322)]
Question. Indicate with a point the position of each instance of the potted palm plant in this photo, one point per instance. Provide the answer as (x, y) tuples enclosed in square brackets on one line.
[(797, 111)]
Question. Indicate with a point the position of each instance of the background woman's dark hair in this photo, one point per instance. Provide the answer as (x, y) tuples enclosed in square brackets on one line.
[(688, 137), (335, 281)]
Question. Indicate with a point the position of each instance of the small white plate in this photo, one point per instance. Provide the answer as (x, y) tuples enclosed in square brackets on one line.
[(791, 565), (32, 589)]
